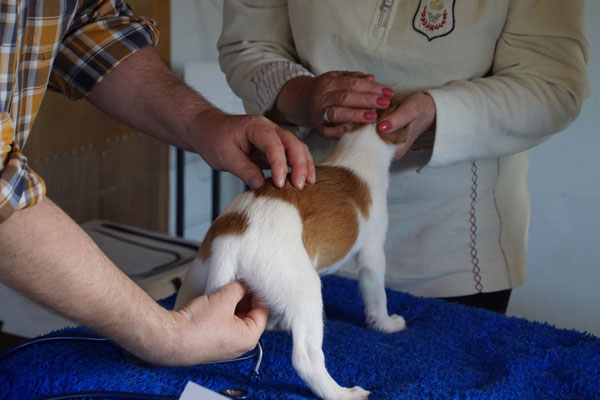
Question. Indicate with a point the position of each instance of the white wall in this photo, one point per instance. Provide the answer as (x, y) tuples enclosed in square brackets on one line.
[(196, 25), (563, 282)]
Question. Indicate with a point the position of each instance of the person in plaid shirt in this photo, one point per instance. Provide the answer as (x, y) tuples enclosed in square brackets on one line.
[(100, 50)]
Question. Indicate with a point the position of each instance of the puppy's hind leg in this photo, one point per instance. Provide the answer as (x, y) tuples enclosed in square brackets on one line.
[(206, 277), (194, 283), (371, 272), (298, 298)]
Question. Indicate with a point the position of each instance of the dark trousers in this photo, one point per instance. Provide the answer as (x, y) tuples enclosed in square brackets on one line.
[(493, 301)]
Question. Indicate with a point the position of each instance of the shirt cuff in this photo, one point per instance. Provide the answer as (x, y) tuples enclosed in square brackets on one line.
[(269, 80), (79, 65), (20, 187)]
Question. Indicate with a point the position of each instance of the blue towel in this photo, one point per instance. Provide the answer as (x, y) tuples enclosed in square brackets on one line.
[(448, 351)]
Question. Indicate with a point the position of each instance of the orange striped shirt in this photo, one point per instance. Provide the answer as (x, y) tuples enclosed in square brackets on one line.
[(65, 45)]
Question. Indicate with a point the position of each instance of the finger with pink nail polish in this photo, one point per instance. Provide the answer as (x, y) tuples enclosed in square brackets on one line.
[(384, 126)]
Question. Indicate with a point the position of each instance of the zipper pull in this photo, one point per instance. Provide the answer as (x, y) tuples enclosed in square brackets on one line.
[(382, 21)]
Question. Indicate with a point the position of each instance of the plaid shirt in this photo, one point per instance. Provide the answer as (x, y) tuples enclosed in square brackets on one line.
[(66, 45)]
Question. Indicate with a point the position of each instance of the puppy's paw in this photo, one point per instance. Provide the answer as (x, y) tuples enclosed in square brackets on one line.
[(389, 324), (355, 393)]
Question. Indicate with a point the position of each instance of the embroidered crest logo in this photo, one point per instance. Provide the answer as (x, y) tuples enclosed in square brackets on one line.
[(434, 18)]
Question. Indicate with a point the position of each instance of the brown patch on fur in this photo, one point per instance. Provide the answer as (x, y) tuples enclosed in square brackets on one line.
[(225, 224), (395, 137), (383, 113), (328, 209)]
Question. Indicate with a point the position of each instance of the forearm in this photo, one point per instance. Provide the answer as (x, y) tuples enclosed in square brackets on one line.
[(46, 256), (143, 93), (248, 50)]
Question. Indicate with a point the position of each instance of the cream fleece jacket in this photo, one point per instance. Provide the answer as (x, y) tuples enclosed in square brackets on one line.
[(505, 75)]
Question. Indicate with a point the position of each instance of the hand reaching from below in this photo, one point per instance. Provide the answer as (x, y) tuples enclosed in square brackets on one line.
[(416, 114)]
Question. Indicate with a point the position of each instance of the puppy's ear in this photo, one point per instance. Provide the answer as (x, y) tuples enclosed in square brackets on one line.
[(394, 137)]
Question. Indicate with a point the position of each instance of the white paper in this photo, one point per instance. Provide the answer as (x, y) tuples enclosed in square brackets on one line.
[(194, 391)]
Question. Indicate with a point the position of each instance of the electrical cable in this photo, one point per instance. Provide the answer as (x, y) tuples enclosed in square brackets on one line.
[(257, 352), (7, 353), (109, 395)]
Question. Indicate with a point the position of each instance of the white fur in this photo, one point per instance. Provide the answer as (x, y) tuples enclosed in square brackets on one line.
[(271, 259)]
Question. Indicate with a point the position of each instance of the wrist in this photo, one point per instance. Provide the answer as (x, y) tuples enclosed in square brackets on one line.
[(205, 119), (287, 107), (431, 112), (182, 342), (157, 338)]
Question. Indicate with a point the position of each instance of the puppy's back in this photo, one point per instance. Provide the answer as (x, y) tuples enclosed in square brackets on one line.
[(328, 213)]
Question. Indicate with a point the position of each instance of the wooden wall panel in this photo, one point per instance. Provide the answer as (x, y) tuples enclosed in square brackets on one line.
[(95, 167)]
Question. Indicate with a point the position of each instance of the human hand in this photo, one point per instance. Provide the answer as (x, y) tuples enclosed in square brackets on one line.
[(215, 327), (343, 97), (226, 141), (416, 114)]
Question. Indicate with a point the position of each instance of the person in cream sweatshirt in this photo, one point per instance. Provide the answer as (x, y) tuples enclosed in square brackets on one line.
[(480, 83)]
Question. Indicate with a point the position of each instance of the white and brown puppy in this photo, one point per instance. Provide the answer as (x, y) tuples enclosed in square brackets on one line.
[(278, 241)]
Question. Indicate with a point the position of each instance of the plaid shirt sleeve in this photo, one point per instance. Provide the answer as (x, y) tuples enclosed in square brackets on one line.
[(102, 34), (20, 186), (99, 35)]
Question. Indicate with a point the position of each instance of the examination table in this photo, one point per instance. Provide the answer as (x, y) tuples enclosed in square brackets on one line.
[(448, 351)]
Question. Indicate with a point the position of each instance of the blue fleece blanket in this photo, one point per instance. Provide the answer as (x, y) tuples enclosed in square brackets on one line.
[(447, 352)]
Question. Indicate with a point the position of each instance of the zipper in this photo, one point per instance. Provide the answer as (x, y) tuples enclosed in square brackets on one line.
[(381, 25), (384, 15)]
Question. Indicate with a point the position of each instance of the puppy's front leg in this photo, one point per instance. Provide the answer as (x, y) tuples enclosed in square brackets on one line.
[(371, 270)]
